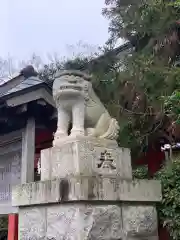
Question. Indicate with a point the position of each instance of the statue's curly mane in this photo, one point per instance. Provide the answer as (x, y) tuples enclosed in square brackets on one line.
[(75, 73), (95, 117), (89, 92)]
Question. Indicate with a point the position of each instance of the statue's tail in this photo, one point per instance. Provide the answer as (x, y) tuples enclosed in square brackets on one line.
[(113, 130), (107, 127)]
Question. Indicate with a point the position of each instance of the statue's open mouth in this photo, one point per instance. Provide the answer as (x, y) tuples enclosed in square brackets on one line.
[(77, 88)]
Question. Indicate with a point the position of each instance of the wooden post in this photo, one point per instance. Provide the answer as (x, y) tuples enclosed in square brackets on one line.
[(13, 227), (28, 152)]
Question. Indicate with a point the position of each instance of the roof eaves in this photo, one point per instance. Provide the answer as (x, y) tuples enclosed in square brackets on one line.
[(25, 73), (26, 90)]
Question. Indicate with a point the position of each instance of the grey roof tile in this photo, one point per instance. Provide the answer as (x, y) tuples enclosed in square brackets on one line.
[(29, 82)]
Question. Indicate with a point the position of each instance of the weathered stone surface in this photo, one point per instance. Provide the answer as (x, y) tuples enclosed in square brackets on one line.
[(87, 157), (88, 222), (86, 189), (78, 104), (36, 193), (139, 221), (71, 222), (142, 238), (32, 223), (84, 222), (45, 162)]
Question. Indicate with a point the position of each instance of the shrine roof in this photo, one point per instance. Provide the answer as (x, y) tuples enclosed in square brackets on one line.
[(25, 88), (27, 83)]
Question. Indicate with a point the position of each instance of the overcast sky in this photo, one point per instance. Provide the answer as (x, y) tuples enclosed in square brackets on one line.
[(49, 26)]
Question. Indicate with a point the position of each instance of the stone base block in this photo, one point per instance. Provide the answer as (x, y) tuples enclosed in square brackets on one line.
[(139, 221), (86, 189), (70, 222), (86, 157), (142, 238), (88, 222)]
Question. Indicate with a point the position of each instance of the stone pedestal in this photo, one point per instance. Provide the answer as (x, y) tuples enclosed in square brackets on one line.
[(87, 192), (84, 157)]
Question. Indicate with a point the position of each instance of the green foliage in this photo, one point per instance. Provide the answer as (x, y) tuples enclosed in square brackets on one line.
[(172, 105), (148, 76), (3, 223), (141, 17), (169, 208), (140, 172), (48, 71)]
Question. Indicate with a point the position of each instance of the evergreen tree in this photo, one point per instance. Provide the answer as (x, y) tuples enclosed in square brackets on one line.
[(149, 75)]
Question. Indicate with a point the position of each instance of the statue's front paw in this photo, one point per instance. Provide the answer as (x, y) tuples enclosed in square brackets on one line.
[(90, 131), (60, 134), (77, 132), (59, 137)]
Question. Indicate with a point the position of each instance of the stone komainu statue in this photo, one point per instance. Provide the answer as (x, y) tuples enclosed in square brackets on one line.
[(78, 104)]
